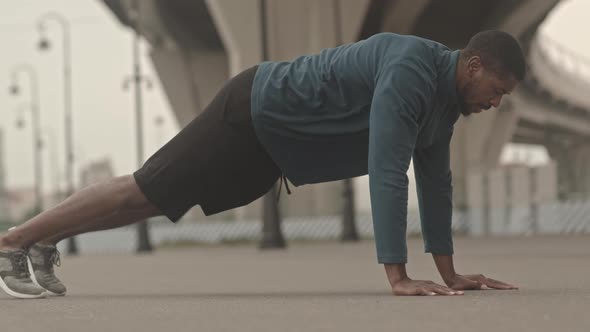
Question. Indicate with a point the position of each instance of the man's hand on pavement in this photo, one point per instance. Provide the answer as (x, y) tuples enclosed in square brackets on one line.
[(408, 286), (402, 285), (476, 281)]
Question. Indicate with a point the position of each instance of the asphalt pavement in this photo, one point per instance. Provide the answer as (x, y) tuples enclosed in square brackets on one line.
[(313, 287)]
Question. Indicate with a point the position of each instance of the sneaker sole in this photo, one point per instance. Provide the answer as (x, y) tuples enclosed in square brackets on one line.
[(19, 295), (34, 279)]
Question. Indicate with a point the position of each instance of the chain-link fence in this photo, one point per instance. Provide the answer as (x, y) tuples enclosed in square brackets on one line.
[(555, 218)]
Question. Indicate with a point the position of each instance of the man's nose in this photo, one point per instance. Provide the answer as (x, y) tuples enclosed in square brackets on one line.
[(496, 101)]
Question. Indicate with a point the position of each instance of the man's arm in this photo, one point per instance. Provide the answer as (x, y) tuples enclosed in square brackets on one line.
[(454, 280), (393, 128), (435, 198), (400, 96), (435, 195), (432, 170)]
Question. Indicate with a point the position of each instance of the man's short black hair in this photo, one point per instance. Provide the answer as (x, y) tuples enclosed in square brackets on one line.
[(499, 52)]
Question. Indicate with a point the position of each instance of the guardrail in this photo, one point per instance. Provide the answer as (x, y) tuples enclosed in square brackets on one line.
[(549, 219)]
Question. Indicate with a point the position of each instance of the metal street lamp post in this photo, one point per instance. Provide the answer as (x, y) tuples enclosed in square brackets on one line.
[(44, 44), (15, 89), (143, 236), (272, 234), (349, 232)]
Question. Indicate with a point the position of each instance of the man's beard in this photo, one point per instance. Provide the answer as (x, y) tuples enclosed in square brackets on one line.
[(465, 110)]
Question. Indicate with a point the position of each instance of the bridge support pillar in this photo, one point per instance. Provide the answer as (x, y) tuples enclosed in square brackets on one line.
[(573, 170), (293, 28), (477, 143)]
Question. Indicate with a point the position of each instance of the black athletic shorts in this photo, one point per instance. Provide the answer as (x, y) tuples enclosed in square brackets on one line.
[(216, 161)]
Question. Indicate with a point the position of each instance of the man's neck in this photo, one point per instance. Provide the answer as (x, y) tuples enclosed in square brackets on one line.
[(460, 74)]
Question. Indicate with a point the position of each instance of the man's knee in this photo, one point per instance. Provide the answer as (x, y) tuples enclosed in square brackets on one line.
[(132, 198)]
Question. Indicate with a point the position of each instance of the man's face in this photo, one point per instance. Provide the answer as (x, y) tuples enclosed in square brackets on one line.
[(484, 89)]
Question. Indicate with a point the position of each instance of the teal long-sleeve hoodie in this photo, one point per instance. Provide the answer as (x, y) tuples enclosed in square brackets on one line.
[(368, 107)]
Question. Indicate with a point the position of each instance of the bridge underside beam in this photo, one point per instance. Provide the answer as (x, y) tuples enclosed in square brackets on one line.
[(196, 45)]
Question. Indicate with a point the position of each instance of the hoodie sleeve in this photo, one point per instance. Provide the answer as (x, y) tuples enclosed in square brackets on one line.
[(435, 195), (401, 95)]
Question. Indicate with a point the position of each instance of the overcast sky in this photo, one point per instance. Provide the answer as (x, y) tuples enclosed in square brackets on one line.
[(103, 112)]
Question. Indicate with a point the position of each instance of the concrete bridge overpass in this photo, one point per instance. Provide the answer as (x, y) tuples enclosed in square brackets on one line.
[(196, 45)]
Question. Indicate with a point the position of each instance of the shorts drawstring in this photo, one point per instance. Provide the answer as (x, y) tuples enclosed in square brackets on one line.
[(282, 179)]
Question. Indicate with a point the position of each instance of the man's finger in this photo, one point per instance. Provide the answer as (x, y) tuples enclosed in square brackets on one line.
[(498, 284), (448, 291), (468, 284), (503, 283), (426, 291), (476, 277), (475, 284), (436, 290), (495, 286), (442, 290)]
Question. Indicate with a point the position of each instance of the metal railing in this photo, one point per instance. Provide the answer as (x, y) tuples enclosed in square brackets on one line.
[(559, 218)]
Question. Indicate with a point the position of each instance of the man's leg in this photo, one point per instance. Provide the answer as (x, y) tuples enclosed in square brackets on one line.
[(117, 219), (44, 254), (102, 206), (106, 205)]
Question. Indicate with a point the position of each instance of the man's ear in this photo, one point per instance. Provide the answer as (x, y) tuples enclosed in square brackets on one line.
[(473, 65)]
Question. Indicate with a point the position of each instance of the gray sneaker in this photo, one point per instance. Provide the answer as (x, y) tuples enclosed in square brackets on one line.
[(14, 275), (41, 261)]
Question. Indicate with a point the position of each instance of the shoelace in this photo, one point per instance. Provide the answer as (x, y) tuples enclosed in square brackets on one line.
[(19, 260), (50, 257), (54, 258)]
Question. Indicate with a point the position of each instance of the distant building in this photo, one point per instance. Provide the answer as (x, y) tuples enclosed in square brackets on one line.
[(96, 171), (19, 203)]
